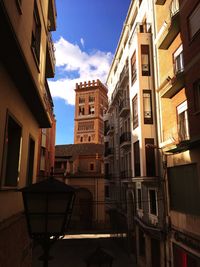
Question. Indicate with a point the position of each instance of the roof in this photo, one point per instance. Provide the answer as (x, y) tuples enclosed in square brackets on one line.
[(74, 150)]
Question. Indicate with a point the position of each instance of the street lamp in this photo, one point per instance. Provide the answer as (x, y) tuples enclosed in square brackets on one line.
[(48, 208)]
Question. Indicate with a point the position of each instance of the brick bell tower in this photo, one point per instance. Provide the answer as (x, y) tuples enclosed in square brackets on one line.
[(91, 101)]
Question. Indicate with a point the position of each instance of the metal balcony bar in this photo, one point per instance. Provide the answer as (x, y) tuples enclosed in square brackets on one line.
[(125, 137)]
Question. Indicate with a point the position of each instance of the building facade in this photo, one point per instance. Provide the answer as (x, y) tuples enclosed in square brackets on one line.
[(90, 103), (134, 177), (152, 176), (81, 166), (46, 144), (177, 43), (26, 60)]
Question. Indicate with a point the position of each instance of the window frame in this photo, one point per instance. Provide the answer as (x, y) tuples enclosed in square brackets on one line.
[(182, 109), (135, 116), (36, 34), (147, 120), (145, 56), (192, 37), (5, 153), (156, 199)]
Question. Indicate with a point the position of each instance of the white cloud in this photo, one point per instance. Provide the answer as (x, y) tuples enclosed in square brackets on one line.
[(89, 66), (82, 42)]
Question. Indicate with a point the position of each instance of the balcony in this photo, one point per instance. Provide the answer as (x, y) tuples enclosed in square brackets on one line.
[(109, 151), (175, 84), (109, 176), (50, 57), (124, 74), (125, 140), (116, 93), (174, 26), (52, 14), (127, 174), (124, 107), (109, 130)]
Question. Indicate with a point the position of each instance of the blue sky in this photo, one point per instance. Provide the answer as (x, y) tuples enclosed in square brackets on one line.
[(85, 40)]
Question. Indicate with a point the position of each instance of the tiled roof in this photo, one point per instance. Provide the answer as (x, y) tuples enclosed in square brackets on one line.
[(73, 150)]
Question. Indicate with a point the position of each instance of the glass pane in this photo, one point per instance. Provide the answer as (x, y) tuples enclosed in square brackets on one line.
[(58, 203), (36, 203), (37, 223), (55, 224)]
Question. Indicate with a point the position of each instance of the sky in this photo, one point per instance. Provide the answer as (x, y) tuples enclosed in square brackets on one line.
[(85, 41)]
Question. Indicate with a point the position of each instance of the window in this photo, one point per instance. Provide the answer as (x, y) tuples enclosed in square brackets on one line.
[(183, 128), (153, 202), (133, 68), (36, 33), (81, 139), (91, 98), (145, 60), (184, 189), (91, 109), (150, 157), (178, 60), (135, 112), (86, 126), (91, 166), (193, 22), (81, 111), (139, 198), (196, 89), (12, 151), (81, 100), (89, 138), (136, 148), (147, 107)]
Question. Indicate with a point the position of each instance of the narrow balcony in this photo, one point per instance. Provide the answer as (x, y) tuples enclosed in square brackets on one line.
[(109, 151), (125, 175), (108, 176), (52, 14), (116, 93), (109, 130), (175, 84), (125, 140), (160, 2), (124, 74), (124, 107), (174, 26), (50, 57)]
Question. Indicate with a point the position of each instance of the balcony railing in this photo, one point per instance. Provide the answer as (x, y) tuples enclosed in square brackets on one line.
[(125, 137), (174, 26), (124, 107), (124, 74), (125, 140), (109, 151), (52, 13), (116, 92), (174, 8), (126, 174), (50, 57)]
